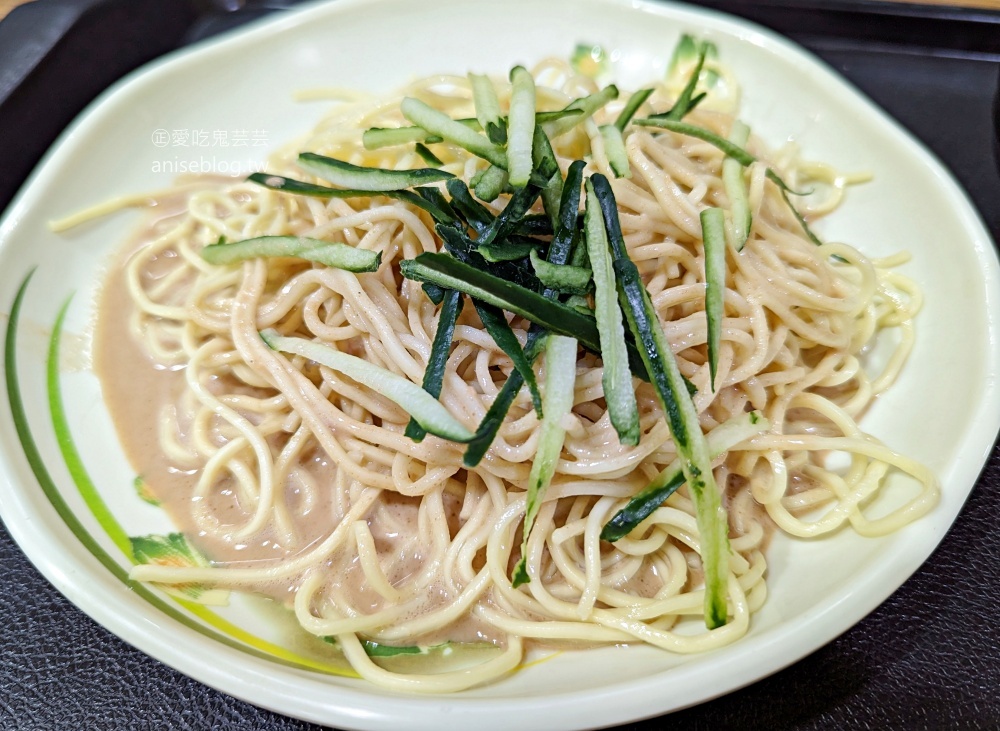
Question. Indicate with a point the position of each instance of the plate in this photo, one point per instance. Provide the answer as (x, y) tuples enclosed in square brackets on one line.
[(66, 490)]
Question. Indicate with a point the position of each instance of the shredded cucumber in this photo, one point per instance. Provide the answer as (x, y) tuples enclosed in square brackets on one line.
[(442, 125), (423, 407), (560, 380), (343, 173), (330, 253), (484, 96), (713, 233), (736, 188), (614, 148), (721, 439), (522, 126), (619, 394)]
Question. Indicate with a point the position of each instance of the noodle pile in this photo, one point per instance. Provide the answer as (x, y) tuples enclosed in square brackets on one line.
[(376, 537)]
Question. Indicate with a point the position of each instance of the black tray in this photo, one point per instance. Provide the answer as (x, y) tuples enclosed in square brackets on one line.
[(929, 658)]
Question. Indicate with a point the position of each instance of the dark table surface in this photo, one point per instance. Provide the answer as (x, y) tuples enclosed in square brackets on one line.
[(928, 658)]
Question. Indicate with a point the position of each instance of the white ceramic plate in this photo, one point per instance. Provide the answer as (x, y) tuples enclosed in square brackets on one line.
[(241, 85)]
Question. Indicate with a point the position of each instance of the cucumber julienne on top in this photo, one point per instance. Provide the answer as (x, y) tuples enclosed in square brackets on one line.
[(517, 359), (508, 146)]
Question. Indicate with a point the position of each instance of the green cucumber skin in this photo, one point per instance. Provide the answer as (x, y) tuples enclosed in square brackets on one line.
[(413, 399), (440, 348), (671, 392), (713, 226), (329, 253), (617, 379), (342, 173)]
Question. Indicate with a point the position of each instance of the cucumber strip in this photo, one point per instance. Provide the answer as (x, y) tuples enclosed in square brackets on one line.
[(561, 246), (736, 188), (499, 329), (617, 379), (686, 432), (684, 103), (771, 175), (444, 126), (801, 219), (456, 241), (560, 380), (375, 138), (547, 167), (297, 187), (343, 173), (561, 277), (329, 253), (491, 183), (713, 235), (434, 293), (631, 107), (614, 148), (484, 96), (522, 126), (534, 224), (450, 273), (587, 106), (487, 430), (579, 257), (427, 156), (559, 252), (440, 348), (543, 157), (436, 204), (375, 649), (506, 221), (694, 103), (378, 137), (685, 50), (743, 157), (475, 213), (720, 440), (463, 248), (681, 415), (543, 117), (510, 249), (734, 151), (423, 407), (590, 60), (580, 304)]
